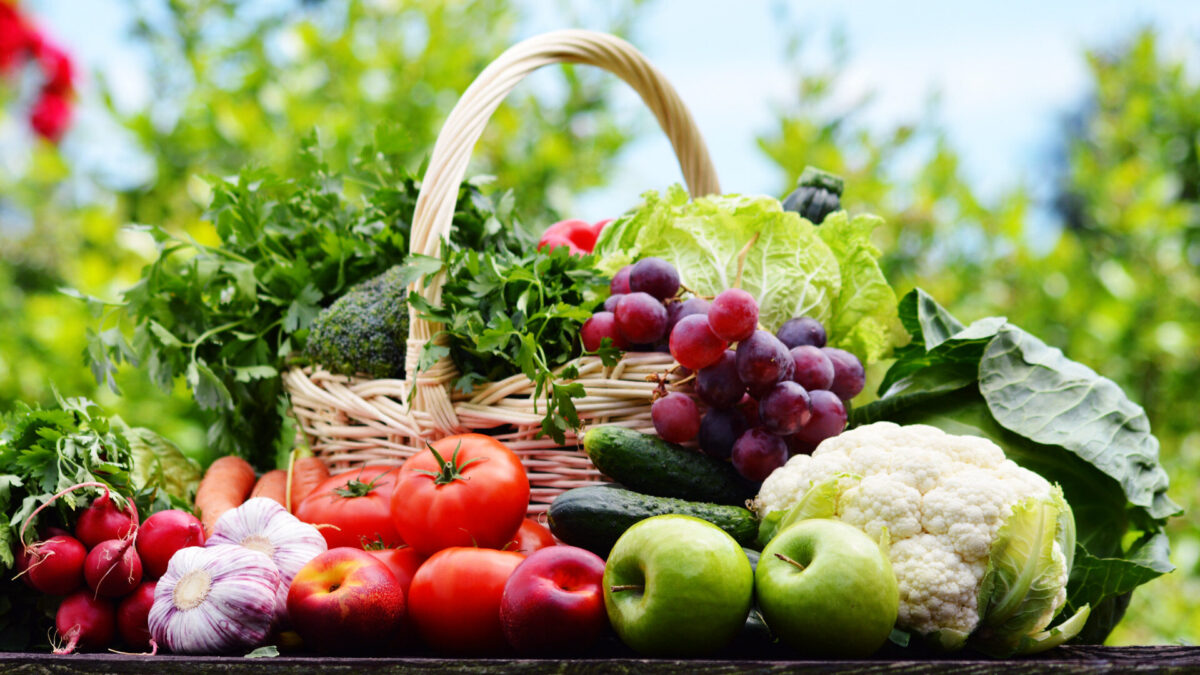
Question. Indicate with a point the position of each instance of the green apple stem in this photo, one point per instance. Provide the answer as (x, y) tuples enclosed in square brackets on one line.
[(628, 587), (789, 561)]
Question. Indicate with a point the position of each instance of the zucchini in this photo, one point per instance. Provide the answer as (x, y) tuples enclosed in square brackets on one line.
[(817, 195), (650, 465), (594, 517)]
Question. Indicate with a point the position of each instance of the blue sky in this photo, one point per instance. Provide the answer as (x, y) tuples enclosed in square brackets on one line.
[(1005, 72)]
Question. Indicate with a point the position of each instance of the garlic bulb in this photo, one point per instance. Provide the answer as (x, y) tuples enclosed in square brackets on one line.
[(261, 524), (214, 600)]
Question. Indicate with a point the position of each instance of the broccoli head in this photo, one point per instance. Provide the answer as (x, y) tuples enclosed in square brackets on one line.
[(365, 330)]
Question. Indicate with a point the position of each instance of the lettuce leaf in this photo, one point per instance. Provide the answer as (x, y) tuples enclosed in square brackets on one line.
[(793, 268)]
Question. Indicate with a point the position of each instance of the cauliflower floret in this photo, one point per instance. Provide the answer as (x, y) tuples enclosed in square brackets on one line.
[(880, 501), (940, 589), (942, 498), (785, 486)]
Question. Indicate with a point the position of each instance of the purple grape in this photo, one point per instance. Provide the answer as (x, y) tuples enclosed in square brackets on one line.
[(718, 385), (762, 360), (828, 418), (610, 303), (749, 407), (719, 429), (601, 325), (693, 343), (757, 453), (848, 374), (654, 276), (678, 310), (784, 409), (734, 314), (802, 331), (675, 417), (620, 281), (641, 318), (813, 369)]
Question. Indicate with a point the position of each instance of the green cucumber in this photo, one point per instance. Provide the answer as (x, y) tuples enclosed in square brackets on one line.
[(650, 465), (594, 517)]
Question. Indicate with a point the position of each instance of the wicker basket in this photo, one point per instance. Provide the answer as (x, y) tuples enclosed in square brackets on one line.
[(350, 421)]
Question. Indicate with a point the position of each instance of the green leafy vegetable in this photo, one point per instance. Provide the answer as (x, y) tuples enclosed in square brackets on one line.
[(792, 267), (228, 317), (506, 313), (1024, 576), (1054, 416), (157, 462)]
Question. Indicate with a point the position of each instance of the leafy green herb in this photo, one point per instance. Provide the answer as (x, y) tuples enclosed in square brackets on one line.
[(506, 313), (228, 317), (1054, 416)]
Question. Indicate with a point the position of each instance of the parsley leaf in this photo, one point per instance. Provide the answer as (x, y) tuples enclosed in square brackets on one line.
[(505, 313)]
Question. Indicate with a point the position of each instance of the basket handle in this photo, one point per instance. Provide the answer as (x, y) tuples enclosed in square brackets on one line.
[(452, 153)]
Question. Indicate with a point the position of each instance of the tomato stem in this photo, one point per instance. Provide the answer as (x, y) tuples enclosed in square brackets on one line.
[(450, 471), (357, 488)]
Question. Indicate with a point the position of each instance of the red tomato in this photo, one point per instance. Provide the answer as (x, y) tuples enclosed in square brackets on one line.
[(403, 562), (530, 537), (358, 504), (465, 490), (455, 599)]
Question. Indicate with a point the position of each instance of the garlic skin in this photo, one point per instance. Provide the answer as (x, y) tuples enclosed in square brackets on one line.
[(263, 525), (214, 600)]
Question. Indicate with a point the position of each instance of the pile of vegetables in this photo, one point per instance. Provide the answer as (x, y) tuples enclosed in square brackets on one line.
[(47, 451), (1006, 498)]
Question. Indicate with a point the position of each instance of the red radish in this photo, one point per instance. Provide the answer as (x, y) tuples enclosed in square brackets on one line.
[(162, 535), (113, 568), (85, 621), (55, 532), (21, 565), (56, 565), (133, 616), (103, 521)]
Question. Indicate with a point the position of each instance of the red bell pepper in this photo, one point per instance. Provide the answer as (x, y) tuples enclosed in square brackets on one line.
[(577, 235)]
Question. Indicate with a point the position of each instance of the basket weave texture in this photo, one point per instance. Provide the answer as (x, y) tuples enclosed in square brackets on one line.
[(350, 421)]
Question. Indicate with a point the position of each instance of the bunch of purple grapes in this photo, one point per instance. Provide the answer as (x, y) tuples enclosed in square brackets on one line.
[(770, 397), (641, 310)]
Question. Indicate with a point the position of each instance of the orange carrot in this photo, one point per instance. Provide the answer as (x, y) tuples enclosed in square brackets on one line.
[(272, 485), (225, 485), (307, 474)]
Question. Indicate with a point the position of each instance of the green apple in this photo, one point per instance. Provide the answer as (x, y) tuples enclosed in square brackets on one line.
[(827, 589), (677, 586)]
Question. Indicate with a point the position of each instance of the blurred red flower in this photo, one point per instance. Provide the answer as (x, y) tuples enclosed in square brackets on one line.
[(14, 36), (56, 68), (50, 116)]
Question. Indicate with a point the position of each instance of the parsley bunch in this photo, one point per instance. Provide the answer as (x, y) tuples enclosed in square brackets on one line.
[(507, 313), (228, 318)]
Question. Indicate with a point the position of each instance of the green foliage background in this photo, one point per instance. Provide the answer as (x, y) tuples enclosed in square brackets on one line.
[(1115, 284)]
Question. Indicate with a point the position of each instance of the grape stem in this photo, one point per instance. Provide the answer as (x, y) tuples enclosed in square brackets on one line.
[(685, 289), (737, 282)]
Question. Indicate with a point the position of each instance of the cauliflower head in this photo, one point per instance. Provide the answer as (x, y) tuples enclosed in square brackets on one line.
[(946, 504)]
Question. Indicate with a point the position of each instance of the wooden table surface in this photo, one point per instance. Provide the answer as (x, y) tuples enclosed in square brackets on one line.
[(1062, 660)]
